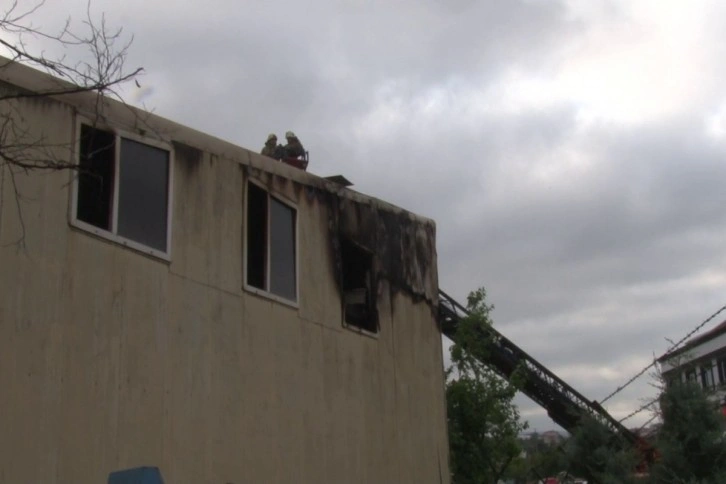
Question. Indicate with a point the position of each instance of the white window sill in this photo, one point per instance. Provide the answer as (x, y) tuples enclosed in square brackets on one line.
[(117, 239), (273, 297), (361, 331)]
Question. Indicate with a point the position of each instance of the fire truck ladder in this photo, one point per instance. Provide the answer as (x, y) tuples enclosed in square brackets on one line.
[(565, 405)]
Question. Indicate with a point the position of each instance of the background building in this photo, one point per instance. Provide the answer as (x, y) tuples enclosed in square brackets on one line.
[(702, 360)]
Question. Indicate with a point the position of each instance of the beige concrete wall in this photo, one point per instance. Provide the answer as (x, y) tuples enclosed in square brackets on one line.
[(111, 359)]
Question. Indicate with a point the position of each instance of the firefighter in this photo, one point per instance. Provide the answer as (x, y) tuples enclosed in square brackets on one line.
[(293, 148), (271, 148)]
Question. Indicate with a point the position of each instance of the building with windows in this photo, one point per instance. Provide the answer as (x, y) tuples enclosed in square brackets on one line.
[(702, 360), (179, 302)]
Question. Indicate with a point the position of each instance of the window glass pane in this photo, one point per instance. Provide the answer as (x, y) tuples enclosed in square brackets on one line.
[(282, 250), (95, 177), (143, 194), (256, 236)]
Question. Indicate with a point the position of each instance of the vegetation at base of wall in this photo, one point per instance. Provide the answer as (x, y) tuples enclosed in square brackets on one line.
[(483, 421)]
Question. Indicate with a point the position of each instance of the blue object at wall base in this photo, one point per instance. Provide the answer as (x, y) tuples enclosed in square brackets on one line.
[(137, 475)]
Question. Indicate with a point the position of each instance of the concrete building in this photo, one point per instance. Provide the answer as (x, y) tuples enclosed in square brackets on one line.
[(702, 360), (185, 303)]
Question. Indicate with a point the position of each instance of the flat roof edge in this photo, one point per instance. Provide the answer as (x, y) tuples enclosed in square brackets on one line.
[(129, 117)]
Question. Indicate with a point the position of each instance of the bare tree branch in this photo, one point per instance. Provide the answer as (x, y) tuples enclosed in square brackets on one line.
[(100, 54)]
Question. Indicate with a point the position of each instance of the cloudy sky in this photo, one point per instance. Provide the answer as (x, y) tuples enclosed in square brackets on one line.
[(571, 151)]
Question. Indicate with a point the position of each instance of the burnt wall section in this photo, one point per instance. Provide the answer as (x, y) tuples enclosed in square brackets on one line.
[(403, 245)]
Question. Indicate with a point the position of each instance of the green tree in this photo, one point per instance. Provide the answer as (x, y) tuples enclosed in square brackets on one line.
[(483, 421), (597, 454), (691, 442), (542, 460)]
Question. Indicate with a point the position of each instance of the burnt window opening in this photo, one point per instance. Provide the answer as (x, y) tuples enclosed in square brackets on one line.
[(123, 189), (271, 258), (358, 299)]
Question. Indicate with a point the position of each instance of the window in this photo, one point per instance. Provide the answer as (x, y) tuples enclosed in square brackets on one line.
[(122, 191), (691, 376), (722, 370), (359, 302), (271, 256), (672, 380), (707, 376)]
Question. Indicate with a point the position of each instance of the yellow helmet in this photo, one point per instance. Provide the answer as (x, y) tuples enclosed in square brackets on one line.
[(271, 136), (290, 134)]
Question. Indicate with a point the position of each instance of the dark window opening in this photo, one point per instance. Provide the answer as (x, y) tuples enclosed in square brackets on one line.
[(96, 177), (256, 236), (672, 380), (271, 244), (359, 301)]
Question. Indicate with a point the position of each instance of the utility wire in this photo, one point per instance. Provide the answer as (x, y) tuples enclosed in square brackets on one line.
[(655, 415), (671, 349), (640, 409)]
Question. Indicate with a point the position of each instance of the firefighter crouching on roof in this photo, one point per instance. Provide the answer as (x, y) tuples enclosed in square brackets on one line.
[(293, 148)]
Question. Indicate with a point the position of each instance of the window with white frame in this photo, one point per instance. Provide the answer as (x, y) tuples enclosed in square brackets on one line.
[(122, 190), (707, 375), (271, 249), (721, 364)]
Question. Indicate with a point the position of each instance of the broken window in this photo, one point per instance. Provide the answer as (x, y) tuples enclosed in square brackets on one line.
[(123, 189), (271, 256), (359, 301)]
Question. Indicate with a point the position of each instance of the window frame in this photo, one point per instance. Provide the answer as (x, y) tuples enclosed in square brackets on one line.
[(721, 370), (692, 375), (113, 235), (706, 377), (245, 242)]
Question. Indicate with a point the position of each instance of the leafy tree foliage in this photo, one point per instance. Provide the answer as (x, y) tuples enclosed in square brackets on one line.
[(483, 421), (542, 459), (691, 442), (595, 453)]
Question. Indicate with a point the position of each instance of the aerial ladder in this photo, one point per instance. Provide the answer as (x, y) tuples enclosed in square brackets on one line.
[(565, 405)]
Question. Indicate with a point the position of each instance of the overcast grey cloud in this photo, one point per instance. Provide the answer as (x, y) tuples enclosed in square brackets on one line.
[(571, 153)]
